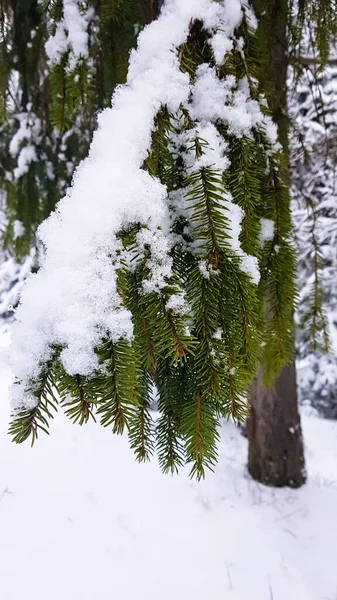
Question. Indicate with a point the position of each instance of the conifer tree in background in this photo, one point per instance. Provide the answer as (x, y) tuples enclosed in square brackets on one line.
[(189, 284), (314, 189)]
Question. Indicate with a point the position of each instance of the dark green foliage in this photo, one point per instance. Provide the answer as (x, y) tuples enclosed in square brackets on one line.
[(75, 396), (278, 276), (244, 186), (173, 391), (28, 423)]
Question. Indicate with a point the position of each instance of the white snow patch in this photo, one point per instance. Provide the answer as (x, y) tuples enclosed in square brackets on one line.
[(24, 142), (86, 497), (71, 34), (267, 230), (218, 334), (18, 229)]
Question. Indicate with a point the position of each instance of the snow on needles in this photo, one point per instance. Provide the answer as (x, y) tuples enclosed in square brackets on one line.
[(23, 144), (70, 34), (73, 301)]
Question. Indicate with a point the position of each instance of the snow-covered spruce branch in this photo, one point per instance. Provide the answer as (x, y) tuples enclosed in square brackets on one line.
[(151, 272)]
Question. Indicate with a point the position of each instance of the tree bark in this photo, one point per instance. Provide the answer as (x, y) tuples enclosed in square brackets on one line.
[(151, 9), (274, 431), (276, 455)]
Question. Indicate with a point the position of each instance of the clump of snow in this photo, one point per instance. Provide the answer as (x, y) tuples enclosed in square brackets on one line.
[(18, 229), (214, 148), (204, 269), (220, 46), (25, 158), (267, 230), (250, 265), (218, 334), (23, 144), (217, 99), (159, 263), (177, 304), (71, 34)]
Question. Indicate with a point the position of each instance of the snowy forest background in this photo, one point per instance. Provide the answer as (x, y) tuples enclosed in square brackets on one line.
[(313, 109), (97, 524)]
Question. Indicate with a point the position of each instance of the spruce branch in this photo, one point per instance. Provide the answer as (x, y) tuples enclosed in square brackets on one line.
[(116, 389), (76, 399), (27, 423)]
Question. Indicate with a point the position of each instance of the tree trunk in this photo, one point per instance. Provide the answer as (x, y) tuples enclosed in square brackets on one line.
[(274, 432), (276, 455), (151, 9)]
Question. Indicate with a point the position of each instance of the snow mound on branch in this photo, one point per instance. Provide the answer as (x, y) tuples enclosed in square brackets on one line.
[(73, 301)]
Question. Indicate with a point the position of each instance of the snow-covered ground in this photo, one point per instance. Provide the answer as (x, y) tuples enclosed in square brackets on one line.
[(79, 520)]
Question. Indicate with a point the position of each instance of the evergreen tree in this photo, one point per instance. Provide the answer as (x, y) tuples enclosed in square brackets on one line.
[(182, 275), (188, 308), (314, 154)]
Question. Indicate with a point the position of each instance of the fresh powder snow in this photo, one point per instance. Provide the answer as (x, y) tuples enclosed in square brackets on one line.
[(80, 520)]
